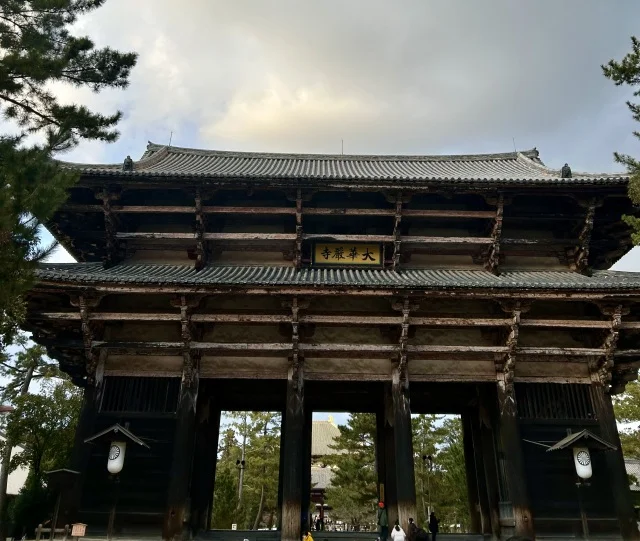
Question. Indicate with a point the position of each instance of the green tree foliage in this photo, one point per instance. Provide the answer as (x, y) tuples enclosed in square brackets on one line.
[(627, 72), (353, 490), (26, 364), (258, 506), (44, 426), (38, 50), (627, 410), (440, 482), (425, 440)]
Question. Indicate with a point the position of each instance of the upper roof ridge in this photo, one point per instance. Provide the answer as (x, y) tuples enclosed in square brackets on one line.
[(154, 148)]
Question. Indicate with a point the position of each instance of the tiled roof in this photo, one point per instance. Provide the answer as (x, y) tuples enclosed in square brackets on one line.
[(323, 433), (321, 477), (140, 274), (632, 465), (513, 167)]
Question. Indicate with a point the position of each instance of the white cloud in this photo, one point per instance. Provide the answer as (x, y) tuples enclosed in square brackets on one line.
[(404, 77)]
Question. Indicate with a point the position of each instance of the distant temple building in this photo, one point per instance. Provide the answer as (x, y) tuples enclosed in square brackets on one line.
[(475, 285), (323, 436)]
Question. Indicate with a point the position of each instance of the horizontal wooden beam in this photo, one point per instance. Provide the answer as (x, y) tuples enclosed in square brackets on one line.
[(332, 347), (570, 352), (262, 210), (410, 239), (333, 319)]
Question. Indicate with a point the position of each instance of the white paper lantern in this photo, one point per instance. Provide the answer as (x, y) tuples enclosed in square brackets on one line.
[(582, 460), (116, 456)]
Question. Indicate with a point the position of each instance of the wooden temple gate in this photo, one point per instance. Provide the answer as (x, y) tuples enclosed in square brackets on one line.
[(212, 281)]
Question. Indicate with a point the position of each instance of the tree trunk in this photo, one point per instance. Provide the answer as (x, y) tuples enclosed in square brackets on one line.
[(6, 458), (242, 458), (256, 523)]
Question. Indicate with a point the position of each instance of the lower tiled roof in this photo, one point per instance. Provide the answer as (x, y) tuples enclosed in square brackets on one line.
[(139, 274)]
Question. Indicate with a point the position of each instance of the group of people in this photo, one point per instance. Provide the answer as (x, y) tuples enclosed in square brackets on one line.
[(414, 532)]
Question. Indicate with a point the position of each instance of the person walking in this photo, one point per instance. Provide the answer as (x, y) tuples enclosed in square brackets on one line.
[(397, 533), (412, 530), (383, 522), (433, 525)]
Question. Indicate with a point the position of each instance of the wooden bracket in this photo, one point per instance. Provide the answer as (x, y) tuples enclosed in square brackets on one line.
[(601, 369), (580, 254), (297, 358), (620, 378), (84, 303), (114, 252), (492, 257), (404, 339), (397, 233), (297, 252), (200, 227)]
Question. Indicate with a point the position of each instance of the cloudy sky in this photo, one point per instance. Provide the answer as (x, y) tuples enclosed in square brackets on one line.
[(398, 77), (386, 77)]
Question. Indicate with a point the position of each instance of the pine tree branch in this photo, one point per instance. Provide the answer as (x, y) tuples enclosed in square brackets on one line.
[(31, 110)]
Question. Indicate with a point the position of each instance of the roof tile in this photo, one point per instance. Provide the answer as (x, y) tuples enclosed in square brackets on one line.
[(513, 167), (135, 273)]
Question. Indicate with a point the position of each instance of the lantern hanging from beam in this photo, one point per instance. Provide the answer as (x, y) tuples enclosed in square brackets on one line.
[(582, 461), (116, 456), (116, 437)]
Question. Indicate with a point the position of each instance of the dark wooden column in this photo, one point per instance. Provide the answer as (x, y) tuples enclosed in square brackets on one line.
[(403, 438), (177, 511), (480, 460), (615, 464), (293, 456), (514, 461), (391, 484), (204, 462), (306, 469), (472, 477), (486, 419), (81, 453)]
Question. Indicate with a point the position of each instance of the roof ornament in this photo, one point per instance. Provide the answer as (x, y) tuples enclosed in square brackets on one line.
[(566, 171), (128, 164), (536, 153)]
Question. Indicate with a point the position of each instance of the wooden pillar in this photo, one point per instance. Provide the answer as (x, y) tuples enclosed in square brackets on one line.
[(390, 488), (488, 450), (177, 513), (403, 438), (204, 463), (292, 471), (514, 460), (306, 470), (81, 453), (472, 478), (480, 460), (615, 464)]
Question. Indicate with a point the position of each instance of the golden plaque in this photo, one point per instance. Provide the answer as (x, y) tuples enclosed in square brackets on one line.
[(347, 254)]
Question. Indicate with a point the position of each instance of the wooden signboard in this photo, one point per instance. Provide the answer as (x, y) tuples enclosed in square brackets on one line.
[(78, 530), (347, 254)]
